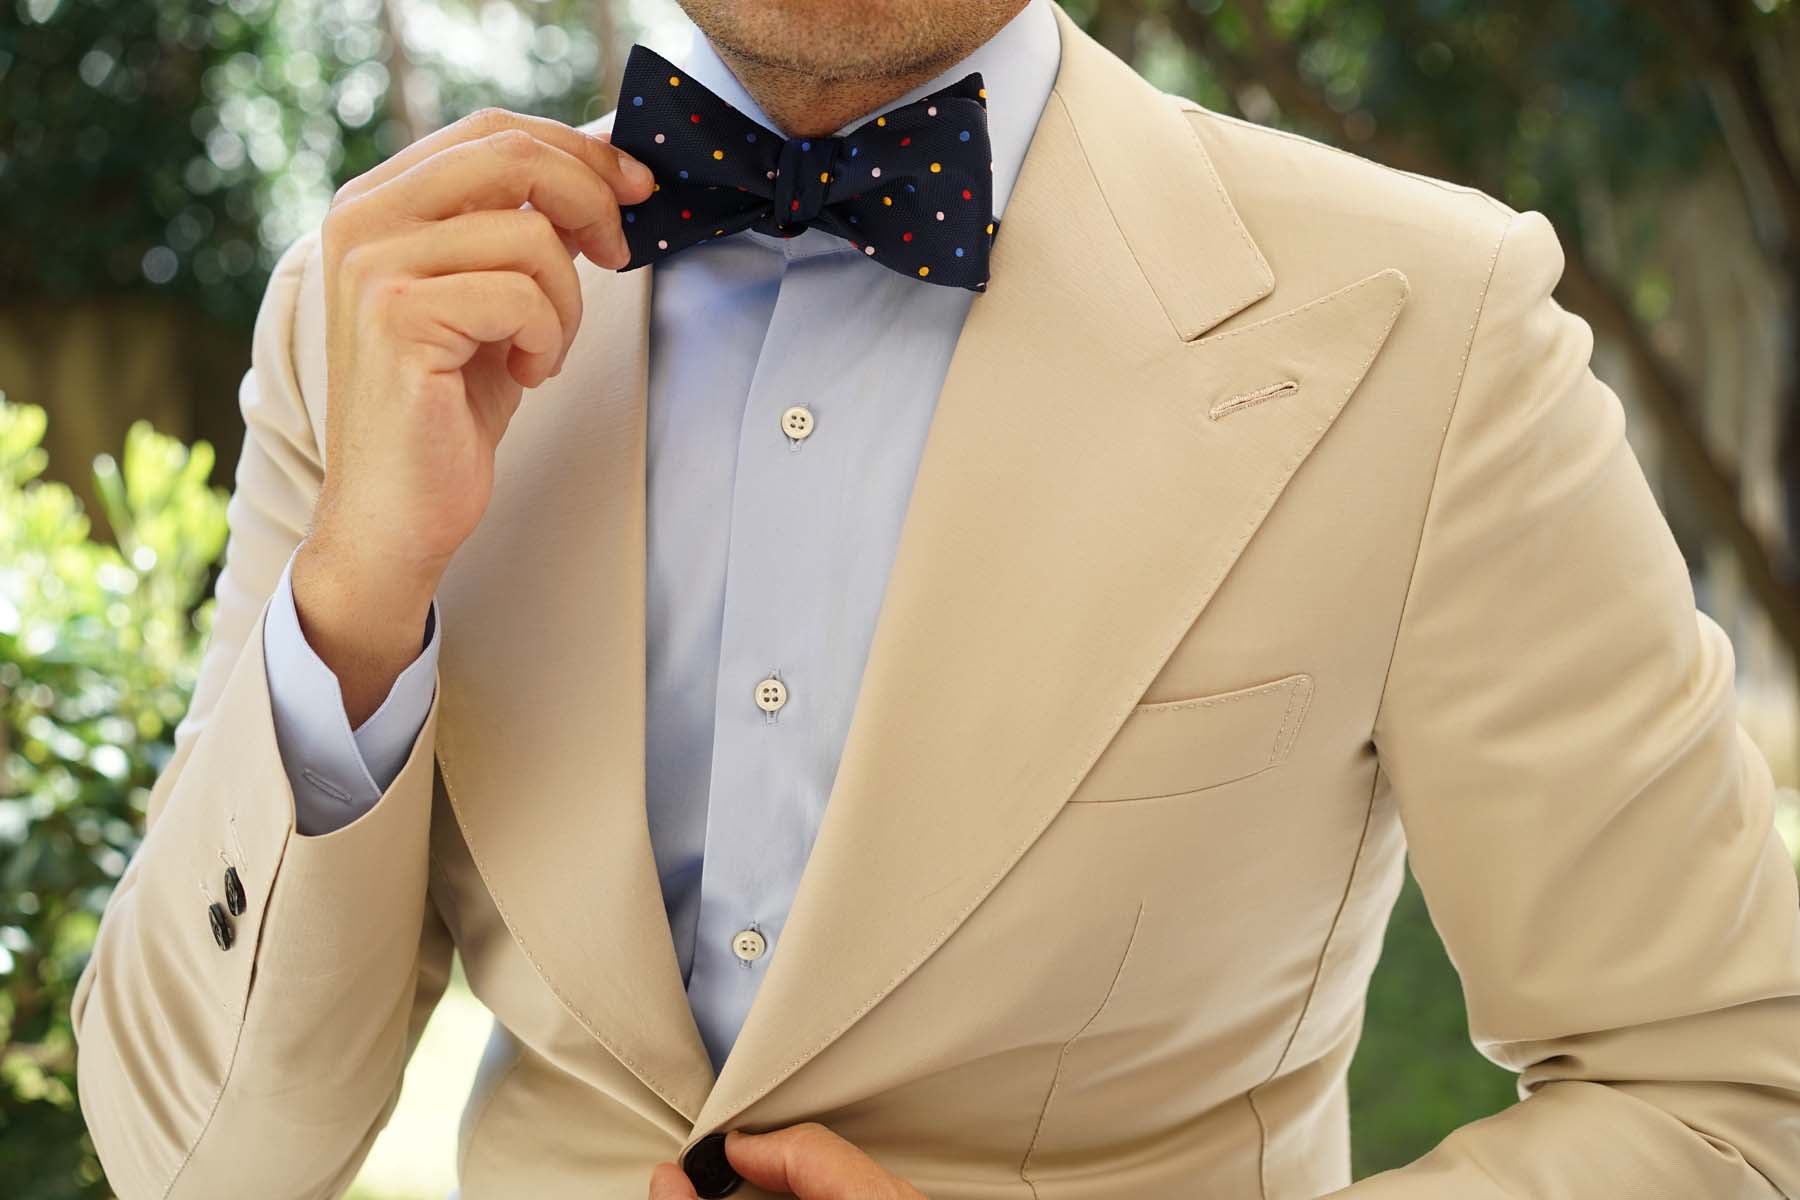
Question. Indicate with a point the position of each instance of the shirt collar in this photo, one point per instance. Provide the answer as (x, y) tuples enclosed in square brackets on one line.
[(1018, 66)]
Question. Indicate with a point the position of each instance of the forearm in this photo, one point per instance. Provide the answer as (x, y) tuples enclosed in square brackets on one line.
[(1605, 1138), (362, 618)]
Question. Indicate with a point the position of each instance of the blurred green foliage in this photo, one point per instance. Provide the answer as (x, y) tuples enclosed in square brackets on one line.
[(98, 650), (178, 146), (1539, 101), (107, 108), (1415, 1076)]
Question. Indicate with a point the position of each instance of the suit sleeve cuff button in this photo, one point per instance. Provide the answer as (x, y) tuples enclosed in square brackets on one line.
[(221, 925), (234, 892)]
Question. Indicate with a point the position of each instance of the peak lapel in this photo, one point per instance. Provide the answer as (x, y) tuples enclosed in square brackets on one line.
[(1089, 477), (541, 720)]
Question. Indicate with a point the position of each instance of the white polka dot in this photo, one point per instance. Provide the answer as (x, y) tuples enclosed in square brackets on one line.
[(932, 111), (875, 172), (940, 215), (770, 174), (659, 139), (662, 244), (868, 249)]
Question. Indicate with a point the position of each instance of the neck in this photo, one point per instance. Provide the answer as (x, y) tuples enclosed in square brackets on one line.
[(805, 104)]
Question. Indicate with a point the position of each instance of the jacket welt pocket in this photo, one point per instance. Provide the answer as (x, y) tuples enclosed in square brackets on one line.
[(1177, 746)]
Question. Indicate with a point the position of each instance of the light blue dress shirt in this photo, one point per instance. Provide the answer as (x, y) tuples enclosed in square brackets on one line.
[(768, 553)]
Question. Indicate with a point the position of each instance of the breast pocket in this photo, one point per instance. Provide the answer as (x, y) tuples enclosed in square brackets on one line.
[(1178, 746)]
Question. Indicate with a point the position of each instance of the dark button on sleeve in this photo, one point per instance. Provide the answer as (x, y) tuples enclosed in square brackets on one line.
[(221, 926), (709, 1170), (234, 892)]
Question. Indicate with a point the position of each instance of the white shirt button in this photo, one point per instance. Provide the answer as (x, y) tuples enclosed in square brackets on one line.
[(797, 421), (771, 694), (749, 945)]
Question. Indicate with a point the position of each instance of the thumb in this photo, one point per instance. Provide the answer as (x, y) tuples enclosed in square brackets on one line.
[(806, 1160), (669, 1182)]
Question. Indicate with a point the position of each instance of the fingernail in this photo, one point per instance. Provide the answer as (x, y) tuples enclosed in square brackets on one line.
[(636, 171)]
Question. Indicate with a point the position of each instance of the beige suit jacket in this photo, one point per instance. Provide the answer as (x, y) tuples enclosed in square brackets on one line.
[(1271, 525)]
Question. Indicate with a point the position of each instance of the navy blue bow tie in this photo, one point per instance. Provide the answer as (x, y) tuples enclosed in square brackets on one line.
[(912, 188)]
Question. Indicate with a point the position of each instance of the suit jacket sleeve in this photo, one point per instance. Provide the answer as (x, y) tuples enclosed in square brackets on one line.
[(266, 1069), (1590, 826)]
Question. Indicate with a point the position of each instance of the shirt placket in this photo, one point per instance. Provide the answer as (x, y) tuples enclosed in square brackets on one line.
[(772, 718), (831, 436)]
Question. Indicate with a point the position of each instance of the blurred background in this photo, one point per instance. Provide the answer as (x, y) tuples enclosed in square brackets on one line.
[(157, 155)]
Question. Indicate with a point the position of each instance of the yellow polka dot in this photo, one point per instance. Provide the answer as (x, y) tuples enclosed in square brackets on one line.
[(990, 227), (718, 154), (656, 187), (824, 176), (881, 120), (717, 232), (888, 200), (936, 167), (674, 81), (924, 271), (982, 93)]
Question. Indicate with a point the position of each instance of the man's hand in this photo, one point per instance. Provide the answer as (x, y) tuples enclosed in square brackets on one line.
[(808, 1161), (449, 289)]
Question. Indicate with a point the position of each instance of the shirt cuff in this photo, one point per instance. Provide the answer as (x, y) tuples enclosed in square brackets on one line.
[(337, 774)]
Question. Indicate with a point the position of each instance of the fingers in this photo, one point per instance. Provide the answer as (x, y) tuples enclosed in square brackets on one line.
[(813, 1163), (499, 160), (445, 319), (502, 172), (596, 152), (519, 240), (670, 1182)]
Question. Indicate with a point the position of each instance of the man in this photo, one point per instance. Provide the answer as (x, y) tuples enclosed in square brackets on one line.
[(1229, 518)]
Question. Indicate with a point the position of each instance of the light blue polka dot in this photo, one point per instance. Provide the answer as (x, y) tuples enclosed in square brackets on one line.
[(631, 217), (806, 145), (853, 152), (637, 102), (963, 136), (749, 137), (909, 187), (684, 174), (959, 252)]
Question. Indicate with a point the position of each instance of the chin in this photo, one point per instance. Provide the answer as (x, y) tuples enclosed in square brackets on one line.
[(819, 37)]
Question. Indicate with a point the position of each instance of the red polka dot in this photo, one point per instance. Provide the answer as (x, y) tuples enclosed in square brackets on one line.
[(695, 118), (793, 206), (686, 215), (968, 195), (907, 236), (906, 141)]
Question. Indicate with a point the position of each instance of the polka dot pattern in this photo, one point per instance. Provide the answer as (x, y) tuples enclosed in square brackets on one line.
[(921, 190)]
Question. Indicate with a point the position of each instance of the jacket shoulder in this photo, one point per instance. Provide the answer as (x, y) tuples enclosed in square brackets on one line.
[(1320, 213)]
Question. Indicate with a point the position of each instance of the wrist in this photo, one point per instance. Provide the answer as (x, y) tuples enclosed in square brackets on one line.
[(365, 621)]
